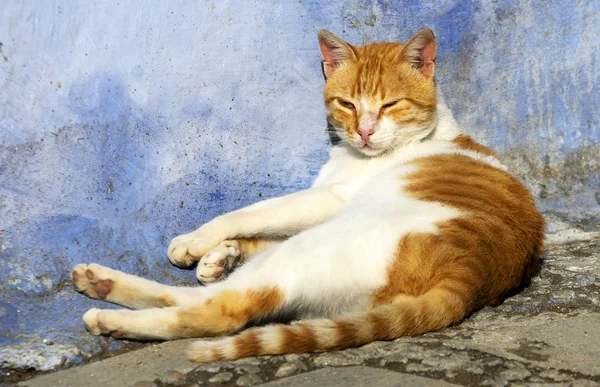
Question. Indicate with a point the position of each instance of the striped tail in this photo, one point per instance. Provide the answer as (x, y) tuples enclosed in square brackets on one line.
[(406, 316)]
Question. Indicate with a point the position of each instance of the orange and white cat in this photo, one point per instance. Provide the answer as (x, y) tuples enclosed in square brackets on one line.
[(409, 227)]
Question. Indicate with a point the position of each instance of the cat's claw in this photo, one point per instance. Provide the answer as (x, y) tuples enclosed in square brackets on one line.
[(215, 264)]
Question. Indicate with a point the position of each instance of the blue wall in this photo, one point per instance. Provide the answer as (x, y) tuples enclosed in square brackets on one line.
[(123, 124)]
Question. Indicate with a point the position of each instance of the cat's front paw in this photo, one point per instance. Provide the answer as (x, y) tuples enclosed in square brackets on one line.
[(218, 262), (187, 249), (178, 251)]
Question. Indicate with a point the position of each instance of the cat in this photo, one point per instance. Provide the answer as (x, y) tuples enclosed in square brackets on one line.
[(409, 227)]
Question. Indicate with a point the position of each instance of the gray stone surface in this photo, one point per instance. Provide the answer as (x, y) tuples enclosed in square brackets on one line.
[(165, 362), (221, 378), (248, 380), (550, 340), (549, 334), (290, 368), (355, 377)]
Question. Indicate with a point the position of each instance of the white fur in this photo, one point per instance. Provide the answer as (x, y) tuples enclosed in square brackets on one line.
[(125, 285), (217, 261), (145, 324)]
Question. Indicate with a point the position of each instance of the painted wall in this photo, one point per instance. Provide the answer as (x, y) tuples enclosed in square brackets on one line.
[(123, 124)]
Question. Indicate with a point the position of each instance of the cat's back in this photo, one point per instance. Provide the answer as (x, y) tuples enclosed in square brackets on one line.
[(467, 176)]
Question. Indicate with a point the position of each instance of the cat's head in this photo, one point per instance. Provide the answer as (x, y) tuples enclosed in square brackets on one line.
[(380, 96)]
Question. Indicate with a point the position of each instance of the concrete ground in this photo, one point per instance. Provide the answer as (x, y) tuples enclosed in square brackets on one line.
[(549, 334)]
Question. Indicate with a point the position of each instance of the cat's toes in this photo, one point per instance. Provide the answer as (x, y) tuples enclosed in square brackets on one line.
[(185, 250), (90, 319), (178, 251), (100, 322), (215, 264), (92, 280)]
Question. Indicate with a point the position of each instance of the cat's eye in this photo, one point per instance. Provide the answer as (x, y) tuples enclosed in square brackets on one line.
[(389, 105), (346, 104)]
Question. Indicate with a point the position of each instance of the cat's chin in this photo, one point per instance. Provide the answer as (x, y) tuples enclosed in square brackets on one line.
[(370, 151)]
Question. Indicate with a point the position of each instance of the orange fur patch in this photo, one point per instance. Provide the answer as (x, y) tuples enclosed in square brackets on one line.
[(463, 141), (228, 311), (247, 344), (250, 247), (483, 256), (299, 339), (165, 300)]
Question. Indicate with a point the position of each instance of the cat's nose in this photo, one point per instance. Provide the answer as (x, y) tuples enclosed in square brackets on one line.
[(366, 133)]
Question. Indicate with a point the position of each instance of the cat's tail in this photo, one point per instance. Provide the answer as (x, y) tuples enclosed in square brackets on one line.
[(407, 316)]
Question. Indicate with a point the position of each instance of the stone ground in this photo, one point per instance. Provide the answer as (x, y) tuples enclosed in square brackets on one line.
[(549, 334)]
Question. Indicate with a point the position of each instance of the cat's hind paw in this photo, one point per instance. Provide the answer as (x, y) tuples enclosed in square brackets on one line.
[(99, 322), (218, 262), (92, 280)]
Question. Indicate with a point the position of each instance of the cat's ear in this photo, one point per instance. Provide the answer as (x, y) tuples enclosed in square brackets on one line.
[(420, 52), (334, 52)]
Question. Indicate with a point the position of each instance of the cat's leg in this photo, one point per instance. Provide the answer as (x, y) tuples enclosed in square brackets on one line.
[(278, 217), (218, 262), (308, 275), (301, 275), (102, 283), (222, 312)]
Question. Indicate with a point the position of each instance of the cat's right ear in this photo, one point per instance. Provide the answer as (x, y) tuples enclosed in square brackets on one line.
[(420, 52), (334, 52)]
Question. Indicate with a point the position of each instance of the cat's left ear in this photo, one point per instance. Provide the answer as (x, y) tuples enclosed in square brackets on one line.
[(420, 52), (334, 52)]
